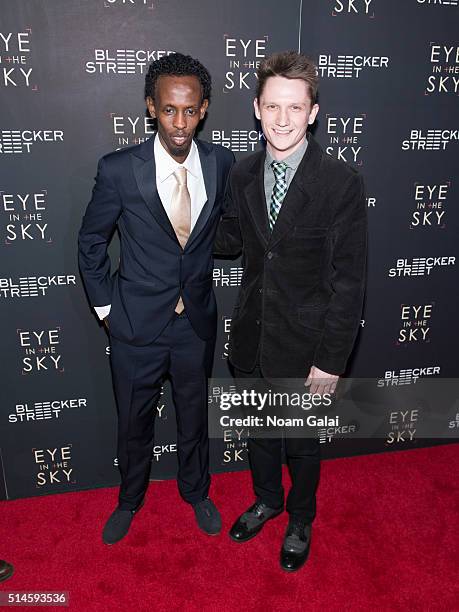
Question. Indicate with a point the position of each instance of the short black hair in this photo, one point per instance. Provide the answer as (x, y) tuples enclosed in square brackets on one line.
[(177, 64)]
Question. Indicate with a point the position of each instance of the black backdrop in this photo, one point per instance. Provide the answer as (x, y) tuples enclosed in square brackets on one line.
[(71, 82)]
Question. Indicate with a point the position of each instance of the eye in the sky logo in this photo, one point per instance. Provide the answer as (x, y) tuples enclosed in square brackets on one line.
[(244, 57), (345, 137), (15, 69), (41, 349), (415, 323), (131, 130), (444, 60), (25, 213), (353, 7), (430, 202)]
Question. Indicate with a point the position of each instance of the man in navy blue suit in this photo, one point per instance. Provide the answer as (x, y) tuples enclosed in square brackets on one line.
[(165, 197)]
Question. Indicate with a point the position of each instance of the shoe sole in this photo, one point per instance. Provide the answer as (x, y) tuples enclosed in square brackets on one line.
[(253, 535)]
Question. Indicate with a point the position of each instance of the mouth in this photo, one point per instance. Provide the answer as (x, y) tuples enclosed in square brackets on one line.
[(179, 140), (282, 132)]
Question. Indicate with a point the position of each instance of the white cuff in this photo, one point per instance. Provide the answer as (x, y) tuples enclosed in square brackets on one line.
[(102, 311)]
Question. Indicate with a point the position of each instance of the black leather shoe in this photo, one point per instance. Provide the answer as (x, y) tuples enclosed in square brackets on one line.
[(6, 571), (118, 525), (296, 545), (208, 517), (251, 522)]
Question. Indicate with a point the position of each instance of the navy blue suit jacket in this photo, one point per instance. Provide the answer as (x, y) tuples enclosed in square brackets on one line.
[(153, 270)]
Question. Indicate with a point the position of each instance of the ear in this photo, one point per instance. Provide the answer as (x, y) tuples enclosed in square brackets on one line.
[(257, 109), (151, 107), (204, 107), (313, 114)]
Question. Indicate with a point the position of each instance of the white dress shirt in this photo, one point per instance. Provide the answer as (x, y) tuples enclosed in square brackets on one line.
[(165, 184)]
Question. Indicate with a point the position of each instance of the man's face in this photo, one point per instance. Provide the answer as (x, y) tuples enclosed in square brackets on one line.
[(178, 108), (285, 111)]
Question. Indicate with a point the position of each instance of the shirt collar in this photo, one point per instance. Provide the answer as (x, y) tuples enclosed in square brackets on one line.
[(166, 165), (293, 160)]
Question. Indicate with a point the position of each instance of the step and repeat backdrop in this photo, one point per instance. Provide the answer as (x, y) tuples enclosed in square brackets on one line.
[(71, 83)]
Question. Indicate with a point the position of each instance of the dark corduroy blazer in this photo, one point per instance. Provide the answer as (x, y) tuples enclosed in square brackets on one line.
[(302, 288)]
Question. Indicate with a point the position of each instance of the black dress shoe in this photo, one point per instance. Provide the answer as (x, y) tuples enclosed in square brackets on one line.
[(6, 571), (296, 545), (118, 525), (251, 522), (208, 517)]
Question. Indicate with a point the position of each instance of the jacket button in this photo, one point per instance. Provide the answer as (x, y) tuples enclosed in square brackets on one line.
[(270, 255), (257, 321)]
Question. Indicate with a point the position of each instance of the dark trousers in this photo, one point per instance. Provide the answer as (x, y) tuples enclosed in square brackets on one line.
[(138, 374), (303, 461)]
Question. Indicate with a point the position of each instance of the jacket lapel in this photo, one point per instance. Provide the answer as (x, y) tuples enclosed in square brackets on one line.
[(301, 192), (143, 163), (209, 171), (255, 195)]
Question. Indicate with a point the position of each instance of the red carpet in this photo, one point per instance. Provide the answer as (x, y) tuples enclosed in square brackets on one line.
[(385, 538)]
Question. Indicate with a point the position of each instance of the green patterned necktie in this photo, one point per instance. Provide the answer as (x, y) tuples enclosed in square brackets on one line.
[(279, 191)]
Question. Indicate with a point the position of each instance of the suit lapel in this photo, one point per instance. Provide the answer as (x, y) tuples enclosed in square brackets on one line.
[(209, 171), (255, 195), (301, 192), (143, 163)]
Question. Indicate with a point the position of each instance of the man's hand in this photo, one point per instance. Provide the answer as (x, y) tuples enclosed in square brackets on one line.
[(321, 382)]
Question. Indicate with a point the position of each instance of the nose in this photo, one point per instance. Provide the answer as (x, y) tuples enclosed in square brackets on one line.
[(282, 117), (179, 121)]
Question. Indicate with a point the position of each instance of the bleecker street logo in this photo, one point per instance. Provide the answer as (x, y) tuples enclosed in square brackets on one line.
[(420, 266), (54, 465), (25, 213), (122, 61), (349, 66), (415, 321), (430, 202), (440, 2), (408, 376), (222, 278), (345, 137), (21, 141), (431, 140), (131, 130), (353, 7), (146, 3), (15, 70), (41, 350), (238, 140), (43, 411), (33, 286), (244, 57), (444, 61)]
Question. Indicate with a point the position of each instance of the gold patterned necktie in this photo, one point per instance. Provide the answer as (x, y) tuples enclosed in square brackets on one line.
[(180, 215)]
